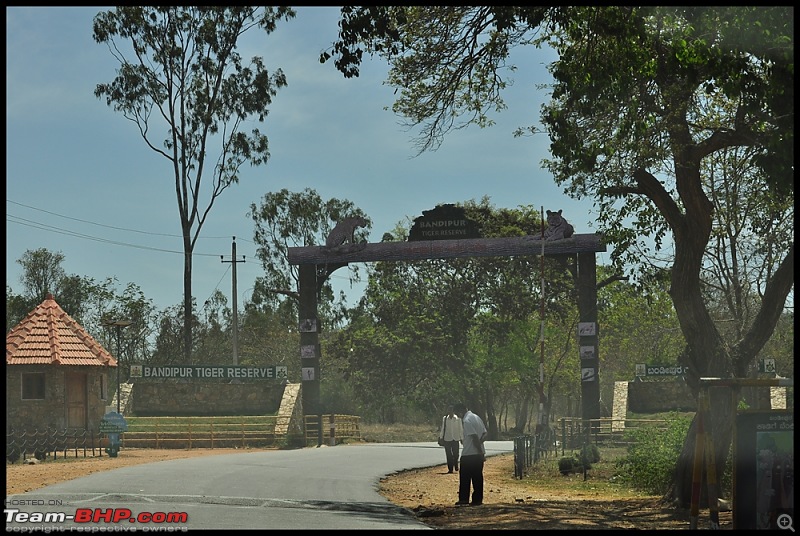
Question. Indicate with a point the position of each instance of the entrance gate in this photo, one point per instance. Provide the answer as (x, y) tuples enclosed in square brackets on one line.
[(317, 263)]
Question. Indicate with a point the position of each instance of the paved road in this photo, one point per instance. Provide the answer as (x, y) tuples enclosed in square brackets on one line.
[(311, 488)]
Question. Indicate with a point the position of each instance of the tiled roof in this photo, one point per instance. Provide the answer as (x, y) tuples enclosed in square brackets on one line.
[(49, 336)]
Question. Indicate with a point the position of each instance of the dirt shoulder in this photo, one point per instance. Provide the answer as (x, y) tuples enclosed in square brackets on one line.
[(511, 503), (429, 493)]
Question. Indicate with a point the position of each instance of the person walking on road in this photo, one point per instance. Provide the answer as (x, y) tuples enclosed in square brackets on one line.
[(451, 434), (473, 454)]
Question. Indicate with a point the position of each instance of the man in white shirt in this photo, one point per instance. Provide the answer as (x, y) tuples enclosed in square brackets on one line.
[(451, 434), (473, 455)]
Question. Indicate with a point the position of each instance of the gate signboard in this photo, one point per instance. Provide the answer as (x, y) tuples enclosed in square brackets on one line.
[(660, 370), (208, 372), (445, 222)]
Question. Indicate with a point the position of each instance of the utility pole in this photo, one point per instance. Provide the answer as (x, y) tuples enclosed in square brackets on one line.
[(235, 326)]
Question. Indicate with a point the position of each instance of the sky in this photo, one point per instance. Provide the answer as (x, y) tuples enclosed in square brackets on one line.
[(80, 181)]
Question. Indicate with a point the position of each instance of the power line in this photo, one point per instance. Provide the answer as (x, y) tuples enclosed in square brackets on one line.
[(59, 230), (106, 226), (44, 227)]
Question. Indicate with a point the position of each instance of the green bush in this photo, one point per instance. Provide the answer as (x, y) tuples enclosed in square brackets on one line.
[(569, 464), (576, 463), (652, 454), (590, 454)]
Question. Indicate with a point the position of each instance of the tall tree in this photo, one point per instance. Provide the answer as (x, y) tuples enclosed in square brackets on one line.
[(43, 274), (629, 126), (287, 219), (182, 71)]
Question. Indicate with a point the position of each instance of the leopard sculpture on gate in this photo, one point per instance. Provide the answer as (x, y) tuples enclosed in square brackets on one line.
[(344, 231)]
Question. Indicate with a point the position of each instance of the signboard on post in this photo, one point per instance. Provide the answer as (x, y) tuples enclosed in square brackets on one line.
[(113, 423)]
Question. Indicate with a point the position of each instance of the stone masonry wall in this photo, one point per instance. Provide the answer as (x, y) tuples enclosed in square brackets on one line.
[(658, 396), (150, 399), (52, 411)]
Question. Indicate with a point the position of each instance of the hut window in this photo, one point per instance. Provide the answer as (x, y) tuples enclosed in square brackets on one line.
[(33, 386)]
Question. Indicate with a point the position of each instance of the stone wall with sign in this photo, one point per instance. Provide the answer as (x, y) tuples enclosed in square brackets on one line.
[(172, 399), (654, 397)]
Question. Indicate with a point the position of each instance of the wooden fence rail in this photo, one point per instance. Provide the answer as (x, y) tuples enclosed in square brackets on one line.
[(226, 432), (605, 431), (336, 429), (200, 432)]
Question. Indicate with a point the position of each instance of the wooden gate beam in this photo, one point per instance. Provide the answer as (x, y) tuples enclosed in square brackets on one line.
[(444, 249)]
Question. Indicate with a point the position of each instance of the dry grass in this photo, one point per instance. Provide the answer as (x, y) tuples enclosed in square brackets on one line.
[(398, 433)]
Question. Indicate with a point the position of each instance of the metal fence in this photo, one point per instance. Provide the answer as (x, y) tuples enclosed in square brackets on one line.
[(50, 442), (574, 433), (529, 449)]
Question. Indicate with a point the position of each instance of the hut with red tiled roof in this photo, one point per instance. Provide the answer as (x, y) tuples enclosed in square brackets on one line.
[(56, 373)]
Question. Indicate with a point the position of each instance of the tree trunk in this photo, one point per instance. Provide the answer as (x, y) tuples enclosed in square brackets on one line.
[(491, 418), (721, 415), (706, 354), (522, 413), (187, 303)]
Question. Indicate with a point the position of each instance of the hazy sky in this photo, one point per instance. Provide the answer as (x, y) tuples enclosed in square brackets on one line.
[(81, 181)]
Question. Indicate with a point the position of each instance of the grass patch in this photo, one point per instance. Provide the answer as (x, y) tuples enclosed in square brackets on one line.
[(601, 479)]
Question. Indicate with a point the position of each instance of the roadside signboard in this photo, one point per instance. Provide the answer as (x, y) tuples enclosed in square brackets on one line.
[(113, 423), (764, 470), (767, 366), (660, 370)]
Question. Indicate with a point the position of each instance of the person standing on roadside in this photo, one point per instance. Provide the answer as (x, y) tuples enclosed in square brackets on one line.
[(450, 435), (473, 454)]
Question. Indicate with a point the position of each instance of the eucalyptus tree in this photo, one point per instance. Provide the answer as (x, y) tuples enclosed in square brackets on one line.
[(753, 228), (186, 89), (629, 126), (285, 219), (268, 337), (214, 331)]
